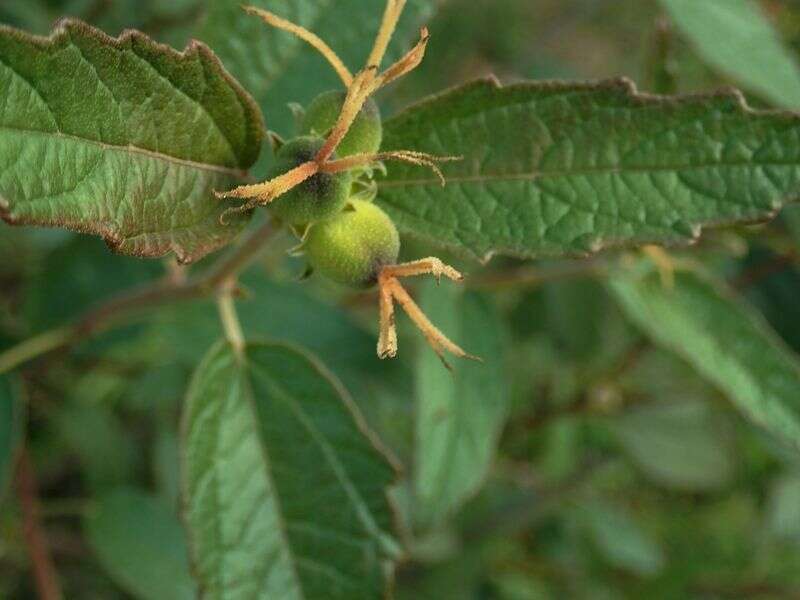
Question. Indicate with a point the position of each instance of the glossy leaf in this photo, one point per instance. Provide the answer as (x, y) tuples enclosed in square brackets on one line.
[(725, 340), (141, 543), (11, 430), (277, 68), (459, 415), (558, 168), (676, 445), (122, 138), (735, 37), (285, 491)]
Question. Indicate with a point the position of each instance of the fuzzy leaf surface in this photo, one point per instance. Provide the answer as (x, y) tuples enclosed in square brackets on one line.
[(122, 138), (726, 341), (554, 169), (285, 490)]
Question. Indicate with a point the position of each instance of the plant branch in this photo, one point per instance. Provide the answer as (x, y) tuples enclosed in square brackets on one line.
[(44, 572), (120, 308), (229, 318)]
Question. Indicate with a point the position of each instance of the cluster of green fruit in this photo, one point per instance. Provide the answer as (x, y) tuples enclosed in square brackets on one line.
[(346, 238)]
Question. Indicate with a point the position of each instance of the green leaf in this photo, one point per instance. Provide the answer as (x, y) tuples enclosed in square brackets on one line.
[(295, 315), (76, 275), (622, 541), (459, 415), (278, 68), (122, 138), (676, 445), (11, 430), (562, 168), (735, 37), (166, 464), (31, 15), (98, 439), (783, 511), (791, 215), (725, 340), (285, 489), (141, 543)]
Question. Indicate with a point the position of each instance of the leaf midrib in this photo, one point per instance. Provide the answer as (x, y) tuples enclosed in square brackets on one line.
[(244, 372), (130, 149), (170, 84), (532, 176), (365, 516)]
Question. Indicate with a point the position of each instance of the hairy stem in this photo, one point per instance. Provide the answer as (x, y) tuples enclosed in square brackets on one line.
[(119, 309), (44, 572)]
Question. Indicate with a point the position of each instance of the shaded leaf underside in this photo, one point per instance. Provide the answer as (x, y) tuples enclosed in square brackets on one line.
[(556, 169), (123, 138), (285, 494)]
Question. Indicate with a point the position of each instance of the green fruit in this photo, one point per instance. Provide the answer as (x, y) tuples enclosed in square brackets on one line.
[(318, 197), (352, 247), (365, 134)]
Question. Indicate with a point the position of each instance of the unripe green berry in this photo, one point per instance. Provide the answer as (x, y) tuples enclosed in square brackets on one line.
[(365, 134), (352, 247), (320, 196)]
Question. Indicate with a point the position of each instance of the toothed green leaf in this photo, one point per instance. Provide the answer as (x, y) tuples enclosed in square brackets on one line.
[(123, 138), (285, 493), (551, 169)]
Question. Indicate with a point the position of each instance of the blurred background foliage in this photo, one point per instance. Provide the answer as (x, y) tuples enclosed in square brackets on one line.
[(590, 463)]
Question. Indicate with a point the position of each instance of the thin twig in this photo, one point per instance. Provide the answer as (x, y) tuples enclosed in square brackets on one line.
[(44, 572), (118, 309), (229, 318)]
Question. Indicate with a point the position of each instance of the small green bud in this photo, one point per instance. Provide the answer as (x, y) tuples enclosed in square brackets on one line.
[(320, 196), (365, 134), (352, 247)]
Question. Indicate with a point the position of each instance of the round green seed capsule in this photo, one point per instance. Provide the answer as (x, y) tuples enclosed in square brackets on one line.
[(320, 196), (352, 247), (365, 134)]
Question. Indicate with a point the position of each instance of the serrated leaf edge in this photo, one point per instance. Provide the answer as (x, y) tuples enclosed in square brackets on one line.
[(693, 232), (361, 423), (63, 29)]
